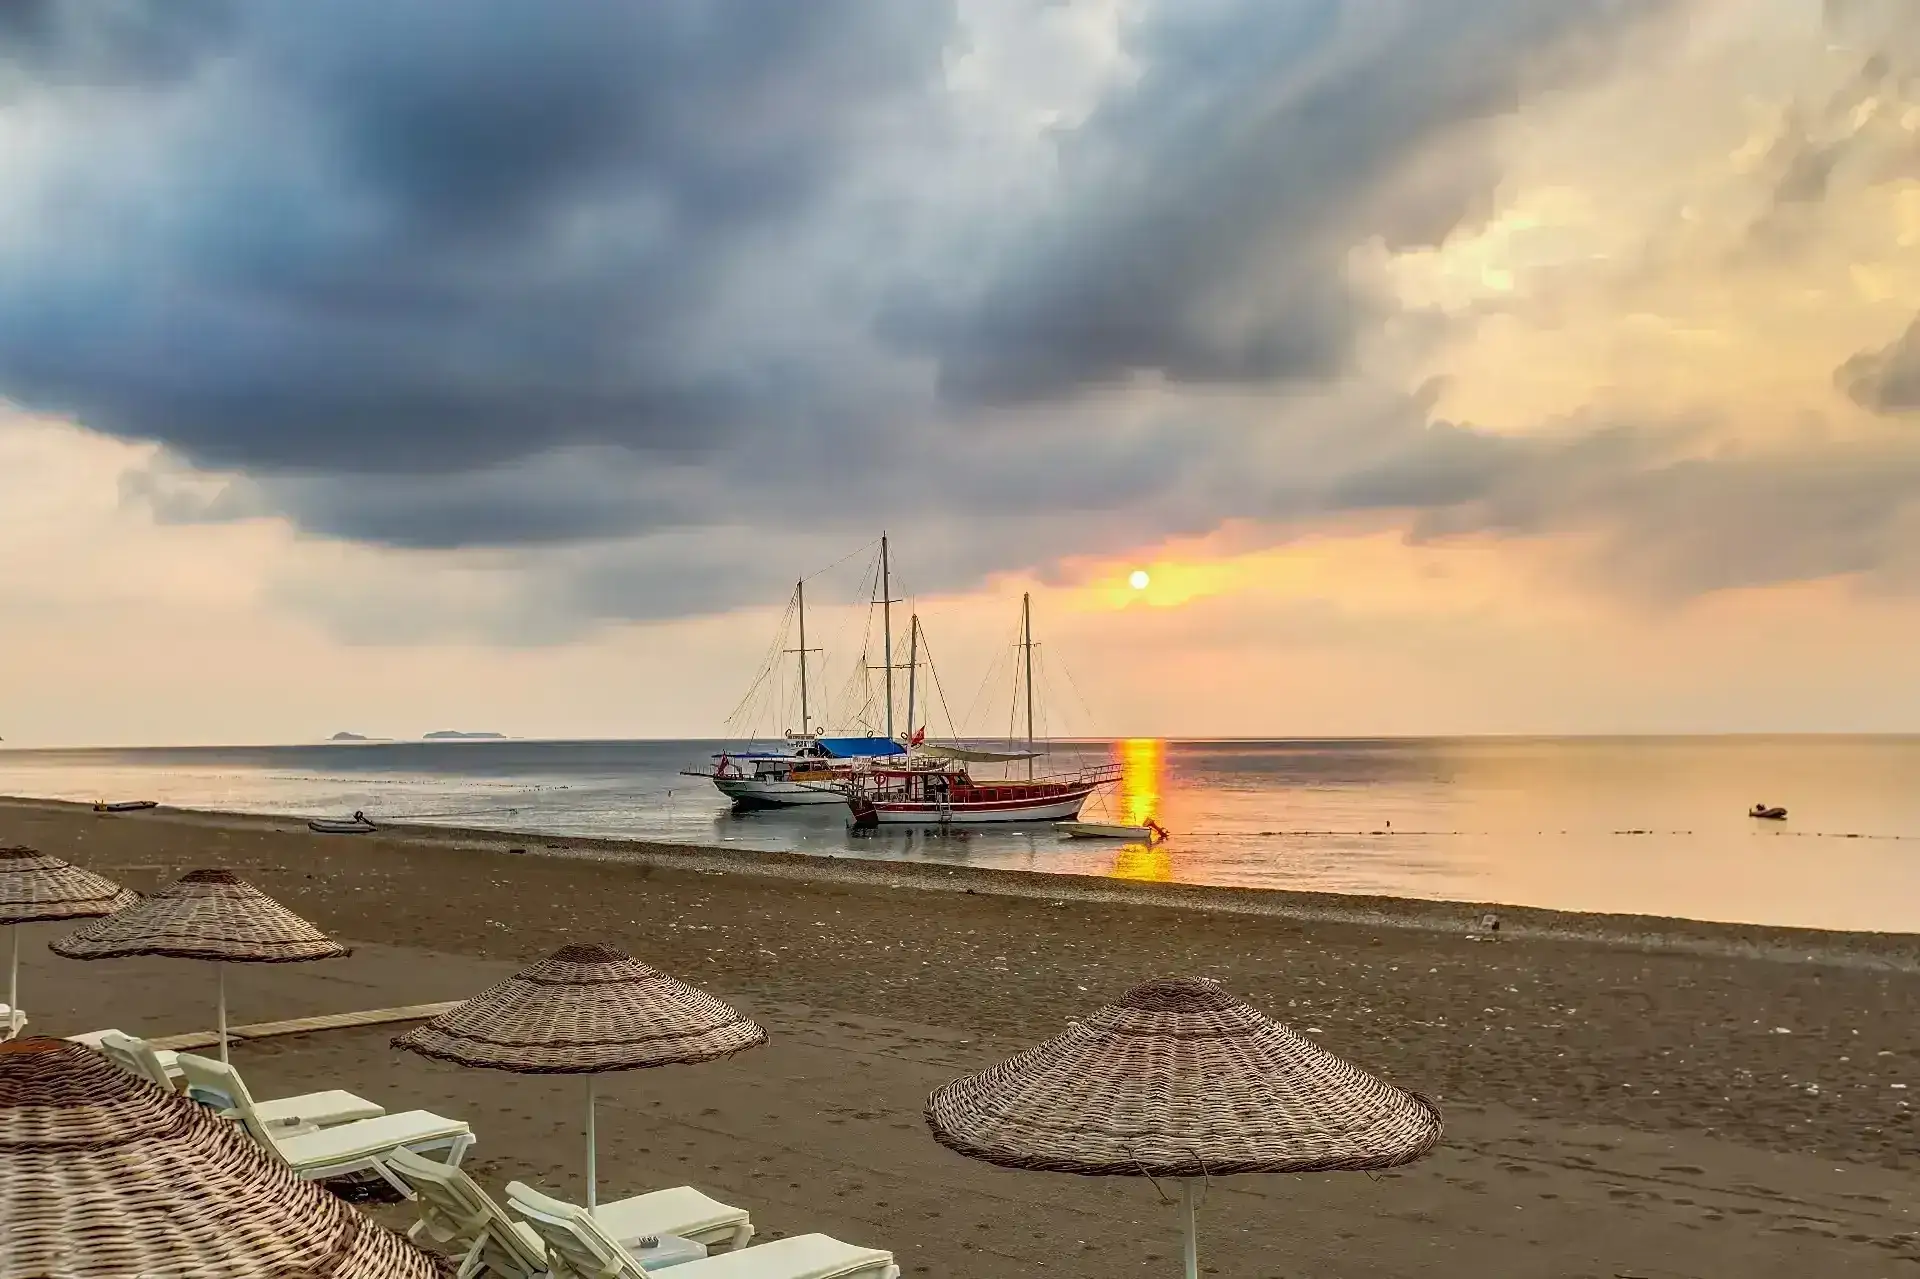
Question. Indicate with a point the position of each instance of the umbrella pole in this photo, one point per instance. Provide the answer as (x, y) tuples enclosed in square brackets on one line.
[(221, 969), (593, 1176), (13, 982), (1193, 1237)]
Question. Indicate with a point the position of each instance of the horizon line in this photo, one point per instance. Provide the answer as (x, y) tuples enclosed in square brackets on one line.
[(7, 747)]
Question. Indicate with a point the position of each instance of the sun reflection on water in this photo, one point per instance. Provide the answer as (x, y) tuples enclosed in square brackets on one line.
[(1142, 760), (1142, 763), (1143, 861)]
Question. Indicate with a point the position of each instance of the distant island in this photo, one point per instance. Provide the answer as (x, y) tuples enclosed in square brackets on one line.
[(347, 737), (447, 734)]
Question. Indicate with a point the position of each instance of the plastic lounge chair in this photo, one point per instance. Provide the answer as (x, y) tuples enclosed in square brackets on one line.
[(139, 1058), (320, 1154), (578, 1247), (229, 1094), (456, 1212), (97, 1040), (457, 1215)]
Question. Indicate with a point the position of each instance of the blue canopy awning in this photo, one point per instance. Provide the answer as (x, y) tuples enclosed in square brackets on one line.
[(860, 747)]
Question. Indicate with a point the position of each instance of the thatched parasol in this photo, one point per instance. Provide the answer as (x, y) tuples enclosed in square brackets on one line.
[(109, 1176), (585, 1010), (35, 887), (210, 915), (1180, 1079)]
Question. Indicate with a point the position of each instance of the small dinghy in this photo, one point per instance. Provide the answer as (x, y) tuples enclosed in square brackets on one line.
[(125, 805), (1775, 814), (1148, 833), (355, 825)]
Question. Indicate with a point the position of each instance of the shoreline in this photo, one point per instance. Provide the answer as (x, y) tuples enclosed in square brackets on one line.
[(1664, 1027), (1881, 951)]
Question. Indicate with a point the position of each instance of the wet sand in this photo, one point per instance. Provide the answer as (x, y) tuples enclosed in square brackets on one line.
[(1630, 1097)]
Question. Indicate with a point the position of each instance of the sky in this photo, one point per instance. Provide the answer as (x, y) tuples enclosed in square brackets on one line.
[(1496, 366)]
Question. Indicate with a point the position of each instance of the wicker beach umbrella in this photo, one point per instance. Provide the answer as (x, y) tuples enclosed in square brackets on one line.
[(1181, 1080), (585, 1010), (35, 887), (210, 915), (108, 1176)]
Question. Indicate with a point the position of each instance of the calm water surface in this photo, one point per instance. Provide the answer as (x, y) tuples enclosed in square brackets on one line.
[(1653, 825)]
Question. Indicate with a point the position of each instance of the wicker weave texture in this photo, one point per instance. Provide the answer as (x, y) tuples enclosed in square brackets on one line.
[(584, 1010), (207, 914), (109, 1177), (35, 887), (1180, 1079)]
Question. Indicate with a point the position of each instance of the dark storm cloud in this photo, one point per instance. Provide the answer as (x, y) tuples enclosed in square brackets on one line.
[(1886, 380), (108, 42), (553, 275), (1207, 210), (404, 237), (400, 242), (1668, 516)]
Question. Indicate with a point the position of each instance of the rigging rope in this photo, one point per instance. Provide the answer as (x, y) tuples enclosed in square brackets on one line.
[(934, 675), (767, 665), (822, 572), (767, 694)]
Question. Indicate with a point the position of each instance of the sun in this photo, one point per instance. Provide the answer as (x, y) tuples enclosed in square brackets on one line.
[(1138, 579)]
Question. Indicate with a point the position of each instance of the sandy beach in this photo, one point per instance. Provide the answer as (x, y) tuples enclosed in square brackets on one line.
[(1626, 1097)]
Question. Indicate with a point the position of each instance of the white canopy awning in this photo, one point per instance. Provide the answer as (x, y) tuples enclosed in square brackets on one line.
[(965, 756)]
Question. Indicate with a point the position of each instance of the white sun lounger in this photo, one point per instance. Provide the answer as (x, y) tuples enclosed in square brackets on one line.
[(97, 1040), (317, 1154), (227, 1092), (139, 1058), (579, 1247), (456, 1213)]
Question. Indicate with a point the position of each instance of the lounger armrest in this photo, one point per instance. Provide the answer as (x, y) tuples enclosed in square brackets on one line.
[(285, 1126)]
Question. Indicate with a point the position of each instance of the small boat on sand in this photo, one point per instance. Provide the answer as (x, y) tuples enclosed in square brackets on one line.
[(1150, 832), (125, 805), (1774, 814), (355, 825)]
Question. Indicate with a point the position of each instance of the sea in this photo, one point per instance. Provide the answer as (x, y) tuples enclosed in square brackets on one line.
[(1654, 826)]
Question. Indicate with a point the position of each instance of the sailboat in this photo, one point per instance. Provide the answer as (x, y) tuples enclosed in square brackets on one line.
[(816, 767), (935, 787)]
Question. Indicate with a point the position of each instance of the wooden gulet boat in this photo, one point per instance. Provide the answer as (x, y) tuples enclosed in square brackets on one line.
[(944, 796), (816, 773), (936, 788), (817, 769)]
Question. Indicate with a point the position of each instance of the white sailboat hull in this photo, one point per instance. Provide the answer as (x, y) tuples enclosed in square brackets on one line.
[(770, 792)]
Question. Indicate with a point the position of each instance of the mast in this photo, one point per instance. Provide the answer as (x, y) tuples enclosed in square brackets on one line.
[(800, 602), (886, 628), (913, 667), (1026, 643)]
